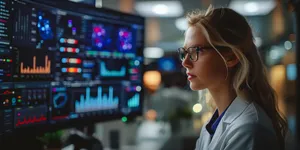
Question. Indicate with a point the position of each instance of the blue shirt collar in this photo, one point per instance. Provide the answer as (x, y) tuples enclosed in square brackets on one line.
[(212, 125)]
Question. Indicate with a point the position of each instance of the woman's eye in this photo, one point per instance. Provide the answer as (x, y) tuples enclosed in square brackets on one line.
[(200, 50)]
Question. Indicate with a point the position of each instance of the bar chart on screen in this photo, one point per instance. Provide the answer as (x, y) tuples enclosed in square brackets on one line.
[(96, 99), (134, 101), (112, 73), (113, 69), (34, 69), (33, 65)]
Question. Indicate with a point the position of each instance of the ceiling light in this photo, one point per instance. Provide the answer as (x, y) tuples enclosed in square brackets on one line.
[(159, 8), (252, 8), (153, 52)]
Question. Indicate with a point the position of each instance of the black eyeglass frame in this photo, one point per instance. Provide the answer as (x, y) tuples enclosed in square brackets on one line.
[(198, 49)]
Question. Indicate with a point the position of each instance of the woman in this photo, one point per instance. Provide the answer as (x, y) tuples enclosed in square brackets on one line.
[(219, 55)]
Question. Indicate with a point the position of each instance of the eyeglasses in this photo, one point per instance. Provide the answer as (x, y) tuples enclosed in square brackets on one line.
[(193, 52)]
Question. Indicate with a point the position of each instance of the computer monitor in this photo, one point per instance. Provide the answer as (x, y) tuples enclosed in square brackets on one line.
[(64, 64)]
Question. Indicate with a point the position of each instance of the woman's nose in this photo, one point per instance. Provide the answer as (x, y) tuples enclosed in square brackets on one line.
[(186, 62)]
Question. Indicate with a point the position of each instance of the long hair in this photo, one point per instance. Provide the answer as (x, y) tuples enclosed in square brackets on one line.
[(225, 27)]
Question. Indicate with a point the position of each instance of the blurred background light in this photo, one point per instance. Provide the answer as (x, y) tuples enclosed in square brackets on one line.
[(167, 64), (258, 41), (159, 8), (181, 24), (151, 114), (253, 7), (152, 79), (291, 72), (197, 108), (288, 45), (274, 54), (153, 52)]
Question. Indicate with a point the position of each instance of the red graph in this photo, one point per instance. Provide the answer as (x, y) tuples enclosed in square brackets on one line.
[(31, 120), (7, 92), (36, 69)]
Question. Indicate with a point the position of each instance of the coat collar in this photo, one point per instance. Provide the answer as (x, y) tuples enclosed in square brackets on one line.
[(236, 108)]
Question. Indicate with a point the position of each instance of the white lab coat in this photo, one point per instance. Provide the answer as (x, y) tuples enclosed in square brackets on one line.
[(244, 126)]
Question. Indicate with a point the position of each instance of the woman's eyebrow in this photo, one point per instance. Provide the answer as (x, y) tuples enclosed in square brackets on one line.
[(194, 45)]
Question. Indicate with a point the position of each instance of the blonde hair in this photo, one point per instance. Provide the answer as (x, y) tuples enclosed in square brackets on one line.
[(225, 27)]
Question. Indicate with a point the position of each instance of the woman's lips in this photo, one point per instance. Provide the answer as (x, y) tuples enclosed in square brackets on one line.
[(190, 76)]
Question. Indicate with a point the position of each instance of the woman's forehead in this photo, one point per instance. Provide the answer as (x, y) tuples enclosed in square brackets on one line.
[(194, 36)]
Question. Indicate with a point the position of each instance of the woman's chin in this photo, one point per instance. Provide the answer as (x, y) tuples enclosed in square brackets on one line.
[(195, 87)]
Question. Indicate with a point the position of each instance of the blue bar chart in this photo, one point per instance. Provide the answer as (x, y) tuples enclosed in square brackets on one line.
[(134, 101), (102, 101), (111, 73)]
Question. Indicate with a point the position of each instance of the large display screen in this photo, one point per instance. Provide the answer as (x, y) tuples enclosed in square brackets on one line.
[(63, 63)]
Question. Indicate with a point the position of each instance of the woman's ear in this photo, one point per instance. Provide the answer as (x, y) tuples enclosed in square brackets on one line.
[(231, 60)]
